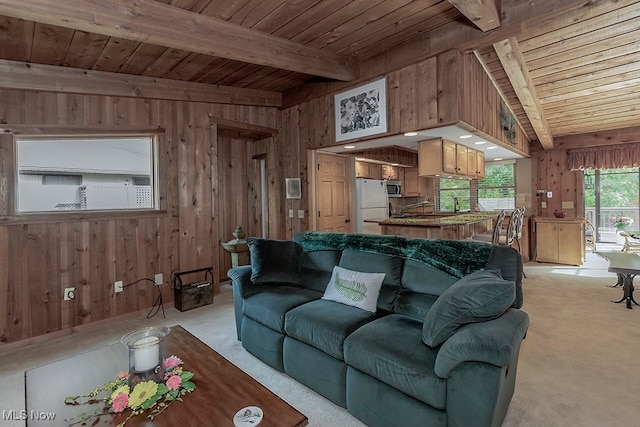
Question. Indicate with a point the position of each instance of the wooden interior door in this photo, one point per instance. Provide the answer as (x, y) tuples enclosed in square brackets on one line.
[(333, 195)]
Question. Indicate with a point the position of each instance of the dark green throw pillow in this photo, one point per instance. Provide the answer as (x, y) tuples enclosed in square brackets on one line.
[(477, 297), (274, 261)]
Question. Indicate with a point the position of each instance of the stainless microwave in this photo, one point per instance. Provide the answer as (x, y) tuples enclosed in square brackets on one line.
[(394, 188)]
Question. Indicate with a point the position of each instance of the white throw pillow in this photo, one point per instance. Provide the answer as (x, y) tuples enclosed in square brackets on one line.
[(354, 288)]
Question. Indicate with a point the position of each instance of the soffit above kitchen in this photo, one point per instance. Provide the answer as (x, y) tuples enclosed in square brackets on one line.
[(457, 134)]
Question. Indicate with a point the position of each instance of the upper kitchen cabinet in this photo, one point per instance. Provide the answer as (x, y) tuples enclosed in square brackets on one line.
[(414, 185), (389, 172), (480, 172), (368, 170), (441, 157)]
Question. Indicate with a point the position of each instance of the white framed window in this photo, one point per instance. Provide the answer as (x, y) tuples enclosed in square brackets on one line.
[(495, 192), (88, 173)]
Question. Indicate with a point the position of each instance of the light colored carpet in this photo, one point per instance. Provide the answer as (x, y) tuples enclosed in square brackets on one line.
[(576, 366)]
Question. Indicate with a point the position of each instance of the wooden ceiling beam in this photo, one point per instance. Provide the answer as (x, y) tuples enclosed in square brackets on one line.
[(49, 78), (154, 22), (483, 13), (518, 73)]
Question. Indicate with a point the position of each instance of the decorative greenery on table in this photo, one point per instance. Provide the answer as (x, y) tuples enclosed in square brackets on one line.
[(620, 222), (145, 396)]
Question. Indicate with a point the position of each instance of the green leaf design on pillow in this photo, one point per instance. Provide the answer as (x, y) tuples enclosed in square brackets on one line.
[(351, 289)]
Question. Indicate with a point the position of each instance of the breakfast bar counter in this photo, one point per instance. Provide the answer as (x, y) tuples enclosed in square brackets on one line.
[(456, 227)]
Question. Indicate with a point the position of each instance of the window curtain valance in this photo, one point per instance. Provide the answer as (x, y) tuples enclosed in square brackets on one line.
[(608, 157)]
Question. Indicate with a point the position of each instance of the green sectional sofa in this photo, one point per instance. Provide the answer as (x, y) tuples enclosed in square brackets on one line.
[(434, 341)]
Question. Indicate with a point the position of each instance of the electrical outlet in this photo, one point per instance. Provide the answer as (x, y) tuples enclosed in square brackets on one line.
[(290, 213), (69, 294), (159, 279), (549, 194), (118, 286)]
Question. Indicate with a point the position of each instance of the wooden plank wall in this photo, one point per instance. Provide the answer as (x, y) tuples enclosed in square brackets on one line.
[(550, 170), (551, 173), (481, 108), (202, 181)]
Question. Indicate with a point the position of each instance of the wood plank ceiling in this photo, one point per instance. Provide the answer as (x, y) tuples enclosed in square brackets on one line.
[(576, 72)]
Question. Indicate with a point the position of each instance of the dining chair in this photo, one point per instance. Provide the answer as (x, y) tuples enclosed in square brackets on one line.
[(494, 236), (589, 236), (630, 244)]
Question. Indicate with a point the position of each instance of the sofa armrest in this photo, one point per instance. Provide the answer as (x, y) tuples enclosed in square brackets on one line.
[(241, 280), (495, 342), (242, 288)]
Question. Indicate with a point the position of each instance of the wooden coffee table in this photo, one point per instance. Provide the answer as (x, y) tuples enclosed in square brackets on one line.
[(221, 388)]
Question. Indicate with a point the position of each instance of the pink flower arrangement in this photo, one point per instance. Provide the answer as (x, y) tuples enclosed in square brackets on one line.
[(174, 382), (171, 362), (145, 396), (620, 222), (120, 402)]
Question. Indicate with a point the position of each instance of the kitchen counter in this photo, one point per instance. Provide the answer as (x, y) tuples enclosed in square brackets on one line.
[(455, 227)]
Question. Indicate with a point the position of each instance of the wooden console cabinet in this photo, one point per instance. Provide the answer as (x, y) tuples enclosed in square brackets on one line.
[(560, 240)]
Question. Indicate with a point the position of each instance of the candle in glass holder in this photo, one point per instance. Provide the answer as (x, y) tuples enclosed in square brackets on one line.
[(146, 354)]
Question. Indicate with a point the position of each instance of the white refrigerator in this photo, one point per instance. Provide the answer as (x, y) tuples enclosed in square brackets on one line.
[(372, 203)]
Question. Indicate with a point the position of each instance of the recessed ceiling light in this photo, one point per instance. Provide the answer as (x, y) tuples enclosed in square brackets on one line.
[(348, 147), (465, 136), (410, 133), (480, 142), (492, 147)]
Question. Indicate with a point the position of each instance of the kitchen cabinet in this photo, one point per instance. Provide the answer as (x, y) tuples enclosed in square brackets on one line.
[(560, 240), (368, 170), (389, 172), (449, 157), (442, 157), (462, 160), (480, 172), (413, 185)]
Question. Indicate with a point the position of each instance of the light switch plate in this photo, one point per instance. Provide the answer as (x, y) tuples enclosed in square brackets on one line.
[(544, 204), (300, 213)]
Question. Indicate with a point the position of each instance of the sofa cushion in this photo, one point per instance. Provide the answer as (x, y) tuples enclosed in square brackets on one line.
[(270, 306), (421, 286), (316, 268), (509, 262), (354, 288), (390, 349), (325, 324), (368, 262), (274, 261), (477, 297)]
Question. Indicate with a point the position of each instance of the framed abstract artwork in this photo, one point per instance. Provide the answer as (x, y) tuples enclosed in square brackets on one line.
[(361, 111), (293, 189)]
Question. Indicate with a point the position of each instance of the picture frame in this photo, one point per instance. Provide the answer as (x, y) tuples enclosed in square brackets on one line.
[(292, 188), (361, 111)]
